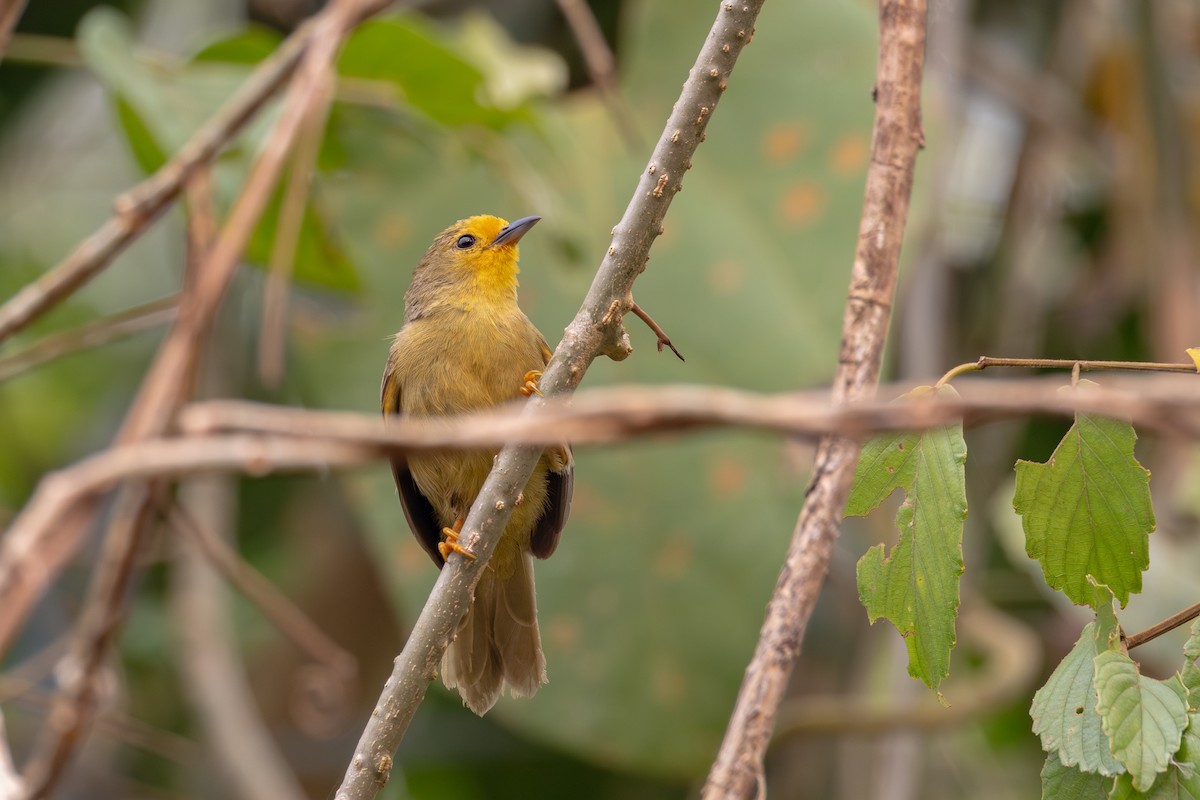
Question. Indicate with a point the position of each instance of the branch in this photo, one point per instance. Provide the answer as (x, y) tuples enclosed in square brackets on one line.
[(213, 676), (141, 205), (93, 334), (10, 12), (600, 416), (1159, 628), (162, 392), (596, 330), (269, 438), (737, 771)]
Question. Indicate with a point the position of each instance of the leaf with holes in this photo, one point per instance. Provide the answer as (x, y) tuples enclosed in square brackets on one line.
[(1143, 718), (1087, 513), (1064, 712), (916, 585)]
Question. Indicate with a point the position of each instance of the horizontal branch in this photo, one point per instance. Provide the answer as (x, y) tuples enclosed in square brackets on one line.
[(599, 416)]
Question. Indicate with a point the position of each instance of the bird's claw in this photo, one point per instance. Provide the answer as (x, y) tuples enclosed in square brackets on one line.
[(451, 544), (529, 384)]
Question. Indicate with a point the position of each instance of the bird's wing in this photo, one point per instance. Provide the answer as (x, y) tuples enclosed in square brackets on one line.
[(422, 519), (560, 484)]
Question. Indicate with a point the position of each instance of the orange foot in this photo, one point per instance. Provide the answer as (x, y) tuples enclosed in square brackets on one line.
[(529, 384), (451, 544)]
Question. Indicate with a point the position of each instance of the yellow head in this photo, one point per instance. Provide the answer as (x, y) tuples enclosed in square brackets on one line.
[(471, 263)]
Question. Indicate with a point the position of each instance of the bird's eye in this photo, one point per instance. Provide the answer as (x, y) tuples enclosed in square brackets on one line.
[(465, 242)]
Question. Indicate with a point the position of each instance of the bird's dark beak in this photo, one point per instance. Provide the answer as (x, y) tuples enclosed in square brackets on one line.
[(513, 231)]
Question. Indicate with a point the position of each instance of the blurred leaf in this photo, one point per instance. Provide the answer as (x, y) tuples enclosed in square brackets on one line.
[(250, 46), (916, 586), (160, 106), (1194, 355), (1190, 674), (1087, 511), (514, 74), (1181, 781), (1064, 712), (1143, 718), (1061, 782), (432, 76)]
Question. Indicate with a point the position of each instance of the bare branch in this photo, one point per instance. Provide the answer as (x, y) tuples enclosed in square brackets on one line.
[(596, 330), (213, 675), (273, 335), (274, 604), (10, 12), (600, 64), (598, 416), (294, 439), (162, 392), (737, 772), (141, 205), (10, 782), (94, 334)]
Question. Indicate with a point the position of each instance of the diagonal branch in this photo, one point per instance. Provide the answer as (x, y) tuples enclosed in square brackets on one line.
[(141, 205), (596, 330), (10, 12), (737, 772)]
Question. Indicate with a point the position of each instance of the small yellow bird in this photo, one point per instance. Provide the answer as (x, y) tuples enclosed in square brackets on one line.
[(467, 345)]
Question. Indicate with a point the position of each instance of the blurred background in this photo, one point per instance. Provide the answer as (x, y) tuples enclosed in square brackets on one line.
[(1055, 215)]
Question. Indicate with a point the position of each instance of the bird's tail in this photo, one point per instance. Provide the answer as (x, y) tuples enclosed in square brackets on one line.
[(498, 642)]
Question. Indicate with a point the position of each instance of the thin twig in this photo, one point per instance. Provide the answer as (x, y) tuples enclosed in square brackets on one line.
[(659, 332), (211, 669), (93, 334), (274, 604), (10, 12), (43, 51), (983, 362), (141, 205), (737, 772), (1159, 628), (117, 726), (273, 335), (601, 66), (10, 782), (1012, 658), (596, 330)]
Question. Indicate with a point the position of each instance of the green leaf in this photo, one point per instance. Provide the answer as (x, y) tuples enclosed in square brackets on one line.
[(160, 105), (250, 46), (916, 586), (1064, 712), (1087, 511), (1181, 781), (432, 76), (1060, 782), (1143, 718), (1190, 674)]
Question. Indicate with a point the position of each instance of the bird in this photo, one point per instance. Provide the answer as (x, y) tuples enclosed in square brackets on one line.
[(466, 345)]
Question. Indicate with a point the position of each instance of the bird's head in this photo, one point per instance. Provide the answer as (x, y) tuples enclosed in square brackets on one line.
[(475, 259)]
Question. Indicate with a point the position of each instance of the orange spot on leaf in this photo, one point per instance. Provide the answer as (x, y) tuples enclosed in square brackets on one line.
[(726, 277), (782, 143), (849, 154), (801, 203), (727, 477)]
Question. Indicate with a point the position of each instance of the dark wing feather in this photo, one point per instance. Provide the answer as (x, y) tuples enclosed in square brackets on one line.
[(558, 507), (422, 519), (560, 484)]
